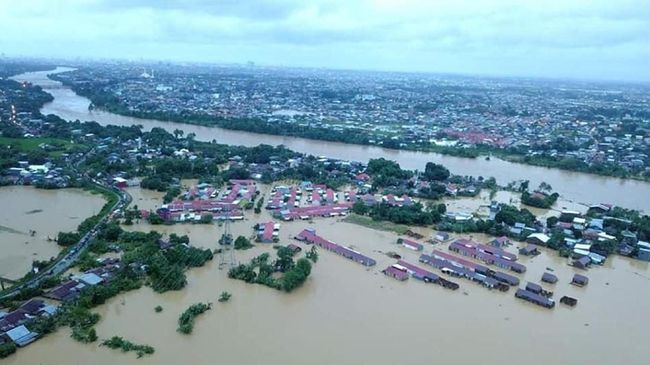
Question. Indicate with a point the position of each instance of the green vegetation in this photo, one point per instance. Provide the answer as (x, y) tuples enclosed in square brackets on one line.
[(507, 216), (541, 198), (46, 147), (7, 349), (510, 215), (260, 270), (186, 320), (386, 173), (224, 297), (620, 219), (373, 224), (296, 276), (81, 321), (68, 238), (111, 199), (413, 214), (155, 219), (312, 254), (242, 243), (435, 172), (158, 309), (165, 270), (206, 218), (117, 342), (171, 194), (259, 205)]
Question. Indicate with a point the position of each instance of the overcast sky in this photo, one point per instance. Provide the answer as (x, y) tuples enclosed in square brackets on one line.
[(608, 39)]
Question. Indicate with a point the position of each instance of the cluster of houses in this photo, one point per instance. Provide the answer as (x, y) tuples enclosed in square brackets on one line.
[(488, 254), (536, 294), (287, 203), (47, 174), (203, 199), (402, 269), (15, 325), (459, 267), (72, 289), (584, 237)]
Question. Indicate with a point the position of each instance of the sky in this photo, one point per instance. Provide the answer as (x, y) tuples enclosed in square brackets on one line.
[(584, 39)]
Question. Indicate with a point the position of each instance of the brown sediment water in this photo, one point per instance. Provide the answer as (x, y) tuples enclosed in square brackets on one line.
[(480, 204), (573, 186), (47, 212), (349, 314)]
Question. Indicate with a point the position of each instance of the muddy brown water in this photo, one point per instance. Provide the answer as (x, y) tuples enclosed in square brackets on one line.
[(349, 314), (47, 212), (574, 186)]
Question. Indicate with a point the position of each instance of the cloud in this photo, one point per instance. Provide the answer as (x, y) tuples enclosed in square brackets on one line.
[(581, 38)]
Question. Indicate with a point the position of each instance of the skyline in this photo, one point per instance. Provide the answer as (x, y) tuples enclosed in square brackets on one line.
[(583, 40)]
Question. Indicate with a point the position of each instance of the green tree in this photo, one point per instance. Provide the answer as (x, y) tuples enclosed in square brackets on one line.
[(242, 243), (435, 172), (359, 207), (68, 238), (312, 254), (206, 218), (7, 349)]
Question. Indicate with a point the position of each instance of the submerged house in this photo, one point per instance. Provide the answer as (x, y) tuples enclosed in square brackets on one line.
[(547, 277), (535, 298), (582, 263), (580, 280), (441, 236), (309, 235), (66, 292), (410, 244), (499, 242), (396, 271), (488, 254), (538, 239), (529, 250), (267, 232), (22, 336), (427, 276)]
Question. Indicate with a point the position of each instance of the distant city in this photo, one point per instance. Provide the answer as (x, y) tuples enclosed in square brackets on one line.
[(594, 127)]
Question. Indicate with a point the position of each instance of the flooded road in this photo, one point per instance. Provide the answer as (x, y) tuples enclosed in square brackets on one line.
[(46, 213), (348, 314), (574, 186)]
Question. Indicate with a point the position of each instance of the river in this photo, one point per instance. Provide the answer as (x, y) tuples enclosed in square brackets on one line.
[(46, 212), (574, 186)]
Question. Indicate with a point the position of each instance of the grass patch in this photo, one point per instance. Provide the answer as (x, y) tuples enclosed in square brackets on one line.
[(56, 146), (378, 225)]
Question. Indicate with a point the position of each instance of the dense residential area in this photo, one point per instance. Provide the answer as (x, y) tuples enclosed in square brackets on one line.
[(572, 125)]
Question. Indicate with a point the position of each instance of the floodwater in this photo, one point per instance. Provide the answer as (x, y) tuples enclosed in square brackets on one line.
[(47, 212), (574, 186), (480, 204), (349, 314)]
